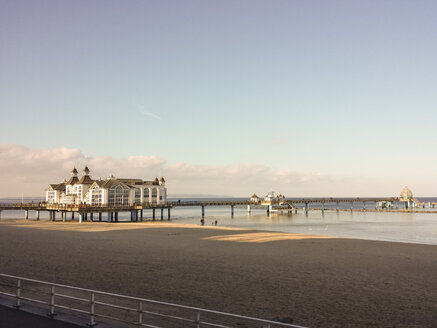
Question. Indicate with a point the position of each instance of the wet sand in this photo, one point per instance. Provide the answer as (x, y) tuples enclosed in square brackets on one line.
[(316, 281)]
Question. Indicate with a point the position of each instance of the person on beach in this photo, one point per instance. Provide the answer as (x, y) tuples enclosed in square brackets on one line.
[(215, 222), (202, 222)]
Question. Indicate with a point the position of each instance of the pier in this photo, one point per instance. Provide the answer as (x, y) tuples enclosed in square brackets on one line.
[(93, 213), (110, 213)]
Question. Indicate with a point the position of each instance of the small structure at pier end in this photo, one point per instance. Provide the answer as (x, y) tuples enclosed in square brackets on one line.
[(406, 194), (112, 191), (407, 197)]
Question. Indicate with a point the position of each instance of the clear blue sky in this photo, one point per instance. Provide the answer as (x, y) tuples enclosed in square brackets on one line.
[(337, 87)]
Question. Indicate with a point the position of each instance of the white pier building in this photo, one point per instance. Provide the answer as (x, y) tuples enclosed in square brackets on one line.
[(112, 191)]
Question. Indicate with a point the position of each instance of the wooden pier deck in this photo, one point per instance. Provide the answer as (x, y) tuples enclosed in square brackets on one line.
[(87, 212)]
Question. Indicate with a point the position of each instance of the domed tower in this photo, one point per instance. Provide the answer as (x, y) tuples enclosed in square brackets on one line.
[(406, 194)]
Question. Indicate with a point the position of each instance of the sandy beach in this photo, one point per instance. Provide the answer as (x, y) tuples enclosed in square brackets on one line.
[(316, 281)]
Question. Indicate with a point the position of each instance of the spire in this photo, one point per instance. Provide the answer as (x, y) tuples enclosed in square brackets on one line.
[(73, 178), (86, 170)]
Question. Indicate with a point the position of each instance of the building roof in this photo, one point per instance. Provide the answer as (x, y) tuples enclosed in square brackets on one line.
[(85, 180), (254, 196), (406, 193), (74, 171), (162, 179), (113, 182), (98, 183), (86, 169), (58, 186), (138, 182), (72, 181)]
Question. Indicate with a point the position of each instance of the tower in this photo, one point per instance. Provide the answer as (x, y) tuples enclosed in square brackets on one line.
[(86, 171)]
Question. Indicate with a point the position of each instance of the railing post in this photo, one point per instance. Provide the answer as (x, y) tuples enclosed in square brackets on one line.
[(18, 301), (198, 320), (92, 311), (140, 314), (52, 302)]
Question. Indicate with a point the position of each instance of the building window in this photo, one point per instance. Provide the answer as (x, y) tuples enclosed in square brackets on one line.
[(51, 197), (118, 196), (96, 198), (137, 195), (154, 195)]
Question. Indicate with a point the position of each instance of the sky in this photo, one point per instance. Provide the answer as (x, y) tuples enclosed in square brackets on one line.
[(304, 98)]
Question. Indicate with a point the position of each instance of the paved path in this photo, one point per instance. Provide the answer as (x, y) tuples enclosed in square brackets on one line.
[(10, 317)]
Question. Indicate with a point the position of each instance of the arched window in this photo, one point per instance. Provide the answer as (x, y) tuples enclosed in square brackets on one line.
[(118, 196)]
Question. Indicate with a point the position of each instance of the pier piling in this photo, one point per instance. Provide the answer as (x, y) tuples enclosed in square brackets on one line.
[(168, 213), (153, 214), (26, 215), (80, 217), (203, 211), (36, 215)]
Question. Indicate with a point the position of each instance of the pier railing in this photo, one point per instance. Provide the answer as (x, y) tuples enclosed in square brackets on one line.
[(97, 306), (210, 202)]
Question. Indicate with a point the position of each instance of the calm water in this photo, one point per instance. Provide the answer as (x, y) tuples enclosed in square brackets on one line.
[(401, 227)]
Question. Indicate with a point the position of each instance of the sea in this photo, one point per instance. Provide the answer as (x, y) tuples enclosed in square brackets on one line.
[(419, 228)]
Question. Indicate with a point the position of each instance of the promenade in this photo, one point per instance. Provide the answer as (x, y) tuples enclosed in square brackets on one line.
[(12, 318)]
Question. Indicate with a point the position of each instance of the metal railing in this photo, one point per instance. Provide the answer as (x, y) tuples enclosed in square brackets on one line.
[(209, 202), (130, 311)]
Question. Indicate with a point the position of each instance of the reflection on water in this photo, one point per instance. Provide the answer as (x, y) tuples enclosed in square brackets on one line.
[(389, 226), (401, 227)]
